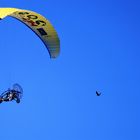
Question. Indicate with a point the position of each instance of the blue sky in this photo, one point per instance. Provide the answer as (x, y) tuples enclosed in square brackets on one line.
[(99, 51)]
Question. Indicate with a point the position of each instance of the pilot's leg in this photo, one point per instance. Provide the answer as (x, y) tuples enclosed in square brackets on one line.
[(6, 99)]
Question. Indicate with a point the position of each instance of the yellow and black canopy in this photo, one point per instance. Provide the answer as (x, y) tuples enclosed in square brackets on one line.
[(39, 24)]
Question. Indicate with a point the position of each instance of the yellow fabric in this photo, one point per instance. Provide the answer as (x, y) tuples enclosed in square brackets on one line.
[(39, 24)]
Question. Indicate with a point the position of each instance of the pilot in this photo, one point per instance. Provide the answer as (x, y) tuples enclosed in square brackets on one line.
[(11, 95)]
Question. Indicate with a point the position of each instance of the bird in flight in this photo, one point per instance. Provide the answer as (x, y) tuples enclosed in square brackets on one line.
[(98, 93)]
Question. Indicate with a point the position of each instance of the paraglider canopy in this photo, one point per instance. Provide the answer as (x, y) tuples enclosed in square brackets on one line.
[(39, 24)]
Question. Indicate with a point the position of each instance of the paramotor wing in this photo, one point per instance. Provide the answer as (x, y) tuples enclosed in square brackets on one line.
[(39, 24)]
